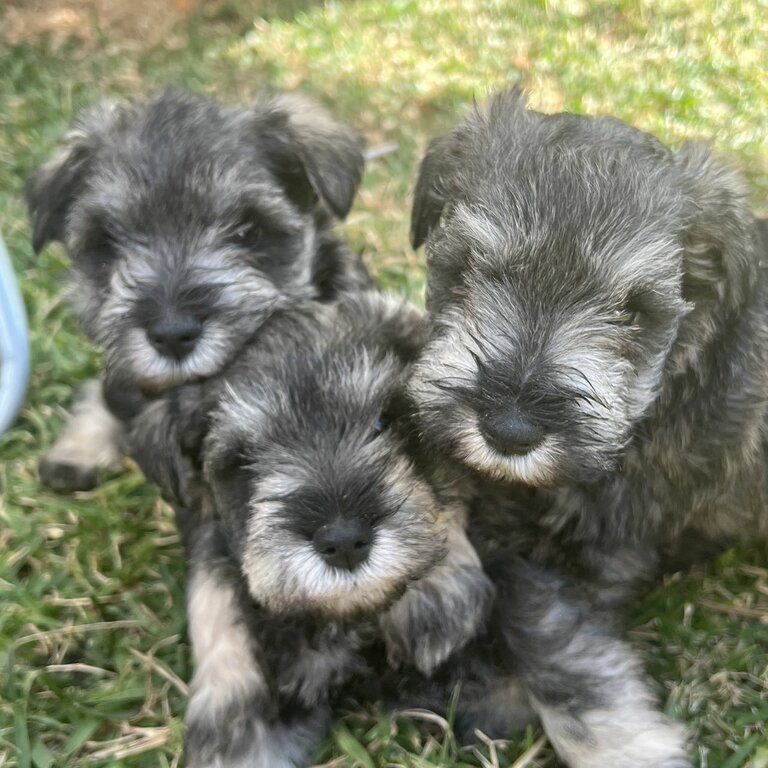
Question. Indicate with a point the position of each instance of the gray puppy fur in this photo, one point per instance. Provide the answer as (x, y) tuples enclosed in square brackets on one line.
[(314, 536), (187, 223), (598, 308), (598, 313), (307, 431)]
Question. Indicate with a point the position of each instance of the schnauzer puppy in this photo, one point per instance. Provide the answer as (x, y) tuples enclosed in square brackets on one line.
[(188, 222), (598, 325), (321, 507), (598, 309), (314, 535)]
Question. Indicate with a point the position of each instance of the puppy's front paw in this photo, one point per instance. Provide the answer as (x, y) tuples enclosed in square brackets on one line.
[(90, 442), (436, 617), (242, 741), (238, 737), (234, 739), (64, 476), (74, 463)]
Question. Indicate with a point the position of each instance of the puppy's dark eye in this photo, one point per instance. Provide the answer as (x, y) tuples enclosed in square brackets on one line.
[(232, 462), (628, 318), (99, 251), (100, 237), (632, 313), (380, 425), (247, 234)]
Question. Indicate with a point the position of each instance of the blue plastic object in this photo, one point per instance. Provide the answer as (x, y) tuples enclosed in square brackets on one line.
[(14, 344)]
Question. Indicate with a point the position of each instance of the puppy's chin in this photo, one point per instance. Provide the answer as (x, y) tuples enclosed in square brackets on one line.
[(537, 468), (164, 375), (552, 463), (296, 580), (154, 373), (350, 599)]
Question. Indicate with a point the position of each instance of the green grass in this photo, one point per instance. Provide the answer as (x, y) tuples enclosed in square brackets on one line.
[(92, 643)]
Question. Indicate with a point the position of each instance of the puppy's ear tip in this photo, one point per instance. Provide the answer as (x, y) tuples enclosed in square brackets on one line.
[(339, 197), (39, 241), (337, 175), (332, 153), (40, 226), (417, 237), (340, 206), (342, 197)]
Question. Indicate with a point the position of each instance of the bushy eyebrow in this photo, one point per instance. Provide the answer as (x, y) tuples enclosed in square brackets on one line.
[(271, 210)]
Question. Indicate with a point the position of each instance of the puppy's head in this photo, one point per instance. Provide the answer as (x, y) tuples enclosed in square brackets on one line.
[(309, 467), (188, 221), (573, 263)]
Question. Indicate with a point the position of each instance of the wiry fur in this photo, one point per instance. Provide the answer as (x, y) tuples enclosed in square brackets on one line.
[(234, 719), (609, 293), (302, 431), (294, 439), (580, 676), (179, 206)]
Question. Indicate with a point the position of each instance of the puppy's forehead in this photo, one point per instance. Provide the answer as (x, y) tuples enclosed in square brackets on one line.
[(195, 192), (193, 154), (197, 128), (320, 371), (304, 398), (335, 388), (508, 130), (583, 214)]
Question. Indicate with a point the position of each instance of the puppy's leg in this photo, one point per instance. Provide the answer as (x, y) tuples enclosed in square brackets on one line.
[(90, 442), (440, 613), (584, 681), (165, 438), (499, 707), (154, 441), (232, 715)]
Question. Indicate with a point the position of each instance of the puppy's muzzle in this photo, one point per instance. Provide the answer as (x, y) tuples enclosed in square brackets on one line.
[(176, 335), (509, 431)]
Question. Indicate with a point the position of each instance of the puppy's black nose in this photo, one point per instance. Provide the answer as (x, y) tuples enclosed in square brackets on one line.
[(509, 432), (175, 335), (344, 543)]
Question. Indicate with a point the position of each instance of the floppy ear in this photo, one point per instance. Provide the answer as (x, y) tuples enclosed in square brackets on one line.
[(399, 324), (391, 322), (720, 250), (330, 154), (50, 192), (53, 187), (446, 158), (438, 170), (406, 332)]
